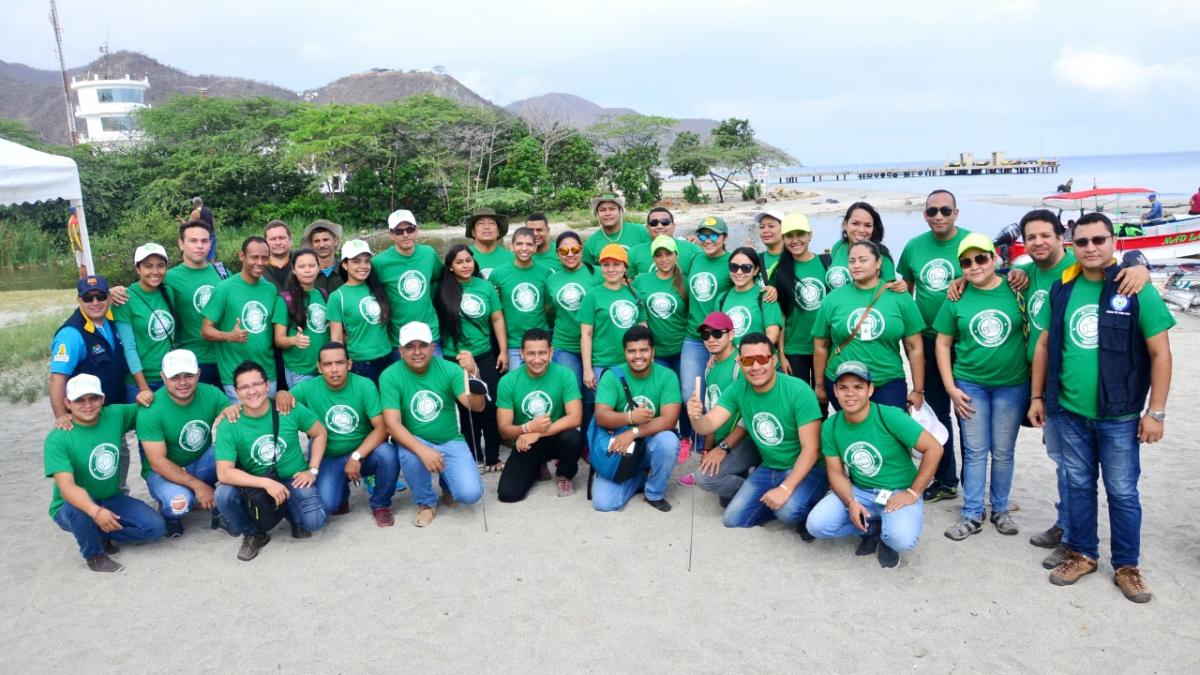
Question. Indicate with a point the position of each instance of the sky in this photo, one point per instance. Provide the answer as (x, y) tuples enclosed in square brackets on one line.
[(829, 82)]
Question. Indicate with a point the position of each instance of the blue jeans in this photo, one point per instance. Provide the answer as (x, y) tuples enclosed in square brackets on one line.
[(210, 374), (661, 450), (382, 463), (1054, 450), (894, 393), (131, 390), (746, 509), (900, 529), (164, 491), (1109, 449), (731, 474), (692, 361), (139, 522), (373, 368), (304, 508), (992, 430), (293, 378), (574, 362), (460, 475), (514, 359), (937, 398), (231, 393)]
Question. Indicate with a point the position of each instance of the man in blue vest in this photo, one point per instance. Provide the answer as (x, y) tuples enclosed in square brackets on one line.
[(87, 342), (1101, 353)]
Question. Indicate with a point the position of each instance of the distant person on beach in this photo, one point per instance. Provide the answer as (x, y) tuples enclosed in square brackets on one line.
[(87, 342), (279, 244), (409, 271), (325, 238), (544, 252), (237, 318), (1194, 209), (609, 211), (83, 461), (488, 229), (1101, 354), (190, 285), (1155, 213)]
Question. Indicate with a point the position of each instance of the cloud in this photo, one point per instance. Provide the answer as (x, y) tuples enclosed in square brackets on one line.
[(1100, 70)]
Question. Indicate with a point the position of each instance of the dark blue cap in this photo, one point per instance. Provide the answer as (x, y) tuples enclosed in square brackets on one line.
[(92, 282)]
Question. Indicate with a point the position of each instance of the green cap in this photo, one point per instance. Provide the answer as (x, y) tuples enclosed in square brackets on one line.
[(976, 240), (713, 223), (856, 368), (663, 241)]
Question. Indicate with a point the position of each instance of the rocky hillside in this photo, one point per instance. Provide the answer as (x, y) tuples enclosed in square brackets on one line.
[(381, 85), (580, 113)]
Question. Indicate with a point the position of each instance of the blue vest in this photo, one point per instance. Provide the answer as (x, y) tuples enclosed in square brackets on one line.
[(1124, 375), (101, 359)]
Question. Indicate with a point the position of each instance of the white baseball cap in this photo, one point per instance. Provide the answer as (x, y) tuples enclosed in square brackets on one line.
[(401, 216), (83, 385), (414, 331), (773, 213), (355, 248), (179, 361), (146, 250)]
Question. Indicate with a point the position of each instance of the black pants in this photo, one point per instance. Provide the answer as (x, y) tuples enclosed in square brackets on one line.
[(802, 368), (209, 374), (522, 468), (937, 398), (473, 424), (373, 368)]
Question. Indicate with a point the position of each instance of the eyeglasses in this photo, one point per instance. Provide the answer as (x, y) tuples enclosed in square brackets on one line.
[(252, 385), (744, 268), (980, 259), (569, 250), (760, 359), (99, 296), (1097, 240), (934, 210), (655, 222), (712, 333), (405, 230), (707, 237)]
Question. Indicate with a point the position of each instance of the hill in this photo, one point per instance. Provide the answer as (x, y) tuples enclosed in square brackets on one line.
[(382, 85)]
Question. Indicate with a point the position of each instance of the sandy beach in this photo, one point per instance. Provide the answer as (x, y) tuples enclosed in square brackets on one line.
[(553, 586)]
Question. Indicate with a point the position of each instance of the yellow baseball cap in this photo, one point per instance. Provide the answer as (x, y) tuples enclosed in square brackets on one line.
[(663, 241), (976, 240), (795, 222)]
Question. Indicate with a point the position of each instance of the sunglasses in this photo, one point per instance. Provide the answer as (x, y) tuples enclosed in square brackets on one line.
[(760, 359), (980, 259), (94, 297), (744, 268), (712, 333), (405, 230), (1097, 240), (934, 210), (655, 222), (707, 237), (569, 250)]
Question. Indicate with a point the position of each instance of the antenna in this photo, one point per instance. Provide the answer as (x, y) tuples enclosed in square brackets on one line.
[(62, 66)]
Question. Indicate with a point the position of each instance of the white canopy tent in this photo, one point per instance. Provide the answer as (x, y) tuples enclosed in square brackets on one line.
[(28, 176)]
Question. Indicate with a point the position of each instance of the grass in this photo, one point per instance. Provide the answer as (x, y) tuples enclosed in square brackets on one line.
[(25, 336)]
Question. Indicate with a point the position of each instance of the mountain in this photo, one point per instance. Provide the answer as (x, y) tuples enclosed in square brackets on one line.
[(382, 85)]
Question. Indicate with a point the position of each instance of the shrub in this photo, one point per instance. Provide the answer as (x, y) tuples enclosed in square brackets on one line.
[(692, 194)]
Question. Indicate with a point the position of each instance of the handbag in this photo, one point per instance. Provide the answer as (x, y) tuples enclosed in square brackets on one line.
[(617, 468), (260, 505), (861, 320)]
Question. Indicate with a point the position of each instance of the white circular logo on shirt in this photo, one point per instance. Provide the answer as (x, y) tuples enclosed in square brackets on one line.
[(526, 297), (1035, 307), (102, 463), (990, 328), (254, 317), (536, 404), (200, 297), (193, 437), (368, 309), (662, 305), (864, 457), (426, 406), (472, 306), (837, 277), (767, 429), (570, 296), (1085, 327), (486, 272), (711, 395), (341, 419), (411, 285), (872, 326), (809, 293), (161, 325), (704, 286), (937, 274), (623, 313), (317, 323), (267, 449), (741, 320), (643, 402)]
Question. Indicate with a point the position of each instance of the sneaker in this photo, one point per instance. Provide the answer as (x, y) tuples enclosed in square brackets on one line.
[(447, 498), (1129, 579), (888, 556), (1051, 538), (300, 533), (565, 487), (383, 516), (400, 486), (805, 535), (1056, 557), (870, 540), (660, 504), (937, 493), (964, 528), (425, 515), (685, 450), (687, 480), (543, 472), (103, 563), (724, 501), (174, 528), (251, 544), (1004, 523), (1075, 565), (110, 547)]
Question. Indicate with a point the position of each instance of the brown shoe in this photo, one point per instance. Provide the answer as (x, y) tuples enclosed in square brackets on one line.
[(447, 498), (1129, 579), (425, 515), (1074, 566), (565, 487), (103, 563), (383, 517), (251, 544)]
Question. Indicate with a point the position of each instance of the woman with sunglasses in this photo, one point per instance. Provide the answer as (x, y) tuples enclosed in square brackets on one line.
[(745, 304), (359, 313), (800, 284), (567, 288), (146, 324), (861, 223), (864, 322), (473, 336), (301, 328), (707, 281), (988, 383), (607, 311)]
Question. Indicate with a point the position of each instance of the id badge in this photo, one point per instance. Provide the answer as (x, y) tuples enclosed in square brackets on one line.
[(882, 497)]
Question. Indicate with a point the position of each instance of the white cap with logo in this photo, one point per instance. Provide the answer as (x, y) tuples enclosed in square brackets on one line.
[(769, 213), (414, 331), (83, 385), (146, 250), (178, 362), (354, 248), (400, 216)]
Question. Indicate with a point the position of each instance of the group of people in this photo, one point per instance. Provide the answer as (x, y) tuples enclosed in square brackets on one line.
[(785, 368)]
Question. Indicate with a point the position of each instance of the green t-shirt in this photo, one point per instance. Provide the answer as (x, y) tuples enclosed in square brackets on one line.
[(234, 300), (1080, 380), (708, 279), (931, 265), (523, 298), (641, 258), (357, 309), (989, 336), (426, 402), (479, 302), (717, 379), (567, 290), (548, 259), (838, 274), (186, 430), (610, 313), (877, 451), (90, 454), (808, 294), (316, 327), (346, 413), (409, 281), (629, 236), (666, 312), (1038, 294), (660, 387), (248, 442), (877, 344), (190, 292), (750, 313), (486, 262), (153, 326), (529, 397), (769, 261), (773, 418)]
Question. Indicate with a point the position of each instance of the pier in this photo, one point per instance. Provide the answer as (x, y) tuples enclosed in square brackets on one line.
[(965, 166)]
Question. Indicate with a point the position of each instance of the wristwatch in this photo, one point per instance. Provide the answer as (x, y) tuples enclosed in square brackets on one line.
[(636, 431), (314, 470), (355, 456), (723, 445), (1157, 415)]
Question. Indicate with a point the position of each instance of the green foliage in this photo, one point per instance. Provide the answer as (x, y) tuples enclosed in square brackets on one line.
[(523, 169), (22, 241), (733, 133), (112, 251), (504, 200), (616, 133), (751, 192), (692, 194), (633, 173), (19, 132), (686, 156)]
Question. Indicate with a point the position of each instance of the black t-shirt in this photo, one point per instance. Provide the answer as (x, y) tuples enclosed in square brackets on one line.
[(206, 215)]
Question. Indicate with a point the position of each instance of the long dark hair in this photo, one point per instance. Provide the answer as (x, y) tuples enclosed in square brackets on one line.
[(749, 253), (876, 250), (294, 295), (571, 234), (449, 305), (676, 274), (377, 290), (784, 280)]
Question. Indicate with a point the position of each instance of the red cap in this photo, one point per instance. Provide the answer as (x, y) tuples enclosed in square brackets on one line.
[(718, 320)]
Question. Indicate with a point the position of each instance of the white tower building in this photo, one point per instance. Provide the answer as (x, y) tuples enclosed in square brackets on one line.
[(106, 108)]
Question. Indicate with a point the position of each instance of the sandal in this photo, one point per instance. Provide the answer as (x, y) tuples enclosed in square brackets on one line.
[(494, 468)]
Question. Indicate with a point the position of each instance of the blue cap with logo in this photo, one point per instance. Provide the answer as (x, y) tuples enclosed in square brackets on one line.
[(92, 282), (856, 368)]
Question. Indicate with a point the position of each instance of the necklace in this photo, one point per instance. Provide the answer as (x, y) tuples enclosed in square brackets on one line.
[(610, 239)]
